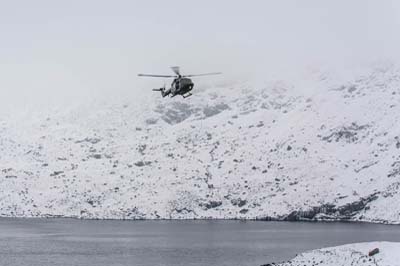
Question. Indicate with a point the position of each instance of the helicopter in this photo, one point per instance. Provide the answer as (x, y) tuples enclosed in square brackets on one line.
[(181, 85)]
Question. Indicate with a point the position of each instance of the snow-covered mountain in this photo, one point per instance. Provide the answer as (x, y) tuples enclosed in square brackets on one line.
[(326, 146), (385, 254)]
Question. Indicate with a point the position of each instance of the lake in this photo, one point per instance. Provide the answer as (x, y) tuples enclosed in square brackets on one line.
[(56, 242)]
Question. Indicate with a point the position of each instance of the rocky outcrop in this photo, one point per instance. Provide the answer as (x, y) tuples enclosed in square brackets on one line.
[(331, 212)]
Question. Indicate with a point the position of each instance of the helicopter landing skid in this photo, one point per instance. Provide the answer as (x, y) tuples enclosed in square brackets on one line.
[(187, 95)]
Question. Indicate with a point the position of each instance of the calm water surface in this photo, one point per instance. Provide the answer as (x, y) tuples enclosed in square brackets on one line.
[(56, 242)]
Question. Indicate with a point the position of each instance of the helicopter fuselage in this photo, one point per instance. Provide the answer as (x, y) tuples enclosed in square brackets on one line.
[(181, 86)]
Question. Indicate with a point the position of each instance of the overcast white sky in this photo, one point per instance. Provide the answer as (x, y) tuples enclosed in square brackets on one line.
[(77, 49)]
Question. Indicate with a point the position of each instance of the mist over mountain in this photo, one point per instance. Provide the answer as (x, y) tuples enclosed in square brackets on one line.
[(60, 54)]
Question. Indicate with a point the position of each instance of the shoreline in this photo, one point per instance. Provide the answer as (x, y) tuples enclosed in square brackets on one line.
[(55, 217)]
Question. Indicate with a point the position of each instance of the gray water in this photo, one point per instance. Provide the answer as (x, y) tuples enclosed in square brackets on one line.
[(45, 242)]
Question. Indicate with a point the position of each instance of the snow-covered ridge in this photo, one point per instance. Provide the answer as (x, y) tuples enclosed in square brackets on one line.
[(319, 148), (348, 255)]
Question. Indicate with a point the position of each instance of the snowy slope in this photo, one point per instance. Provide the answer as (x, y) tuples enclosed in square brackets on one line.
[(352, 254), (326, 146)]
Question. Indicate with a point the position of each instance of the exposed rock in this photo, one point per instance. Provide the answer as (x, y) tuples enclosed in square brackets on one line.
[(95, 156), (142, 163), (212, 204), (348, 133), (55, 173), (89, 140), (176, 113), (215, 109), (331, 212), (238, 202), (373, 252), (243, 211), (151, 121)]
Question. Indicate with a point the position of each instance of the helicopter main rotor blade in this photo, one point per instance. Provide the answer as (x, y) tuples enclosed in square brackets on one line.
[(156, 76), (176, 70), (205, 74)]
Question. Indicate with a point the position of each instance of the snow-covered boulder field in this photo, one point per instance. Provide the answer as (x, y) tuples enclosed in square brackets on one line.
[(325, 146), (349, 255)]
